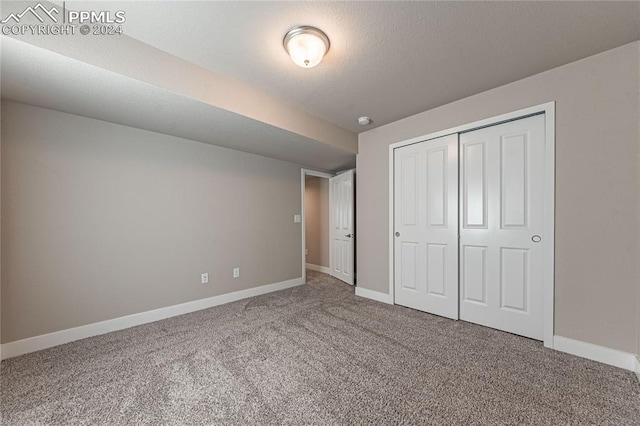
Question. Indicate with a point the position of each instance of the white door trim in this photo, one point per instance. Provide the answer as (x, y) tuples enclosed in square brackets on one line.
[(549, 196), (303, 174)]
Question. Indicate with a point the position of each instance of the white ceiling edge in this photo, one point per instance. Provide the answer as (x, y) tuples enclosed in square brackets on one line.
[(132, 58), (124, 56), (40, 77), (388, 60)]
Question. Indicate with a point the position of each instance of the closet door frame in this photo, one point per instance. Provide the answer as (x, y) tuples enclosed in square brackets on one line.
[(548, 109)]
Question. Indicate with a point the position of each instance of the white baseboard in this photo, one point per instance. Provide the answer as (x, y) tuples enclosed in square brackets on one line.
[(374, 295), (637, 369), (32, 344), (318, 268), (598, 353)]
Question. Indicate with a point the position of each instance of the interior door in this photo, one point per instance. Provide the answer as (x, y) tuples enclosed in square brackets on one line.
[(342, 223), (426, 226), (502, 171)]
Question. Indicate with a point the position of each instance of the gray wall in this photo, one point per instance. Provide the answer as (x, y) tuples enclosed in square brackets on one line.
[(102, 220), (316, 206), (597, 189), (0, 229)]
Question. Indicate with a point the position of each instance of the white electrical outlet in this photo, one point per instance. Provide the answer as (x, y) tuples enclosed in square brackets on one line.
[(236, 272), (204, 278)]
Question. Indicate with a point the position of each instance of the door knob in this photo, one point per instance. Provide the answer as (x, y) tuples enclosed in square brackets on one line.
[(397, 234), (536, 238), (349, 235)]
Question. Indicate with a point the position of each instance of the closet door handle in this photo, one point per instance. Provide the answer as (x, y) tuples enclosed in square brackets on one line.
[(536, 238)]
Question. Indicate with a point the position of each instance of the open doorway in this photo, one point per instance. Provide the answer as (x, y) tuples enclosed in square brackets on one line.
[(315, 222), (328, 204)]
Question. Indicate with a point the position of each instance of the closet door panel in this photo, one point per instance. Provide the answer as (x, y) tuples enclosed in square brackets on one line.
[(426, 226), (502, 210)]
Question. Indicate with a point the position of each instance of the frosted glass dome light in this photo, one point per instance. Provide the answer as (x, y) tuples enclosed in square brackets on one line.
[(306, 46)]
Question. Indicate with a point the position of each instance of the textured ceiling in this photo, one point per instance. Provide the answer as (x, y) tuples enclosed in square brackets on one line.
[(216, 72), (120, 99), (387, 60)]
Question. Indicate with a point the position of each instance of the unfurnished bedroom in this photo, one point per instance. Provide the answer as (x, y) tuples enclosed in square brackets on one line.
[(327, 213)]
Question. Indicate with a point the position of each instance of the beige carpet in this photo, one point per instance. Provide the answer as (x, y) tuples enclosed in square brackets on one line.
[(314, 354)]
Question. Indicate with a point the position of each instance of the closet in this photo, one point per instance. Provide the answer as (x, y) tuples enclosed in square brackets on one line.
[(468, 225)]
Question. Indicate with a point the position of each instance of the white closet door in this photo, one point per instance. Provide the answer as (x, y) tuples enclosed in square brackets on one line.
[(502, 172), (342, 222), (426, 226)]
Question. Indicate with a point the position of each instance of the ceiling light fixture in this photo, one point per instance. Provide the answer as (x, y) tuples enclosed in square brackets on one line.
[(306, 45)]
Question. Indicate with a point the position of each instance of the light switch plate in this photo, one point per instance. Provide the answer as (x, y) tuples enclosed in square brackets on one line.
[(297, 218)]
